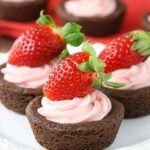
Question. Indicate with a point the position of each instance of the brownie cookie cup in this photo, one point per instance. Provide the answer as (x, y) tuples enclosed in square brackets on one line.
[(72, 114), (21, 10), (135, 96), (16, 98), (85, 135), (146, 21), (127, 57), (136, 102), (99, 18), (31, 58)]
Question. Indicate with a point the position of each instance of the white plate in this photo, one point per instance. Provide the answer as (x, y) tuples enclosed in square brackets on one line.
[(16, 134)]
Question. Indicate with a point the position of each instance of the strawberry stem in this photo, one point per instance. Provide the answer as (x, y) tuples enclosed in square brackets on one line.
[(45, 19)]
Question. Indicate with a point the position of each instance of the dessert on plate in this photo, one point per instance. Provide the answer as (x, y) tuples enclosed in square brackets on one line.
[(146, 21), (21, 10), (31, 59), (72, 114), (127, 57), (98, 17)]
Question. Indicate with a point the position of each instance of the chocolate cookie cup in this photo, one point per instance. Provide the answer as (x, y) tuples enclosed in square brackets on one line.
[(136, 102), (91, 135), (145, 22), (24, 10), (96, 26), (16, 98)]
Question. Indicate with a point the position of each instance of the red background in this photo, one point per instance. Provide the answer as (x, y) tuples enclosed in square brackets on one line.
[(135, 11)]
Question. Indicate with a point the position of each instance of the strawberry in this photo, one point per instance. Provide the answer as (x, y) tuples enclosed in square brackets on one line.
[(127, 50), (40, 44), (76, 76)]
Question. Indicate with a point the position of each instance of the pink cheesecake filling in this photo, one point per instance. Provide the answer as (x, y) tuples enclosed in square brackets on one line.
[(28, 77), (92, 107), (135, 77), (88, 8)]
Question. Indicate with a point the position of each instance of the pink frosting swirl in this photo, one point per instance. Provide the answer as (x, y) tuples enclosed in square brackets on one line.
[(135, 77), (28, 77), (92, 107), (90, 8)]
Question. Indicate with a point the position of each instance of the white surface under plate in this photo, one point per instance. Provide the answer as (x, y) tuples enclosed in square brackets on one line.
[(16, 134)]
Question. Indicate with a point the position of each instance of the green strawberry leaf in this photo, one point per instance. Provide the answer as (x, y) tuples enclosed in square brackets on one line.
[(139, 35), (63, 54), (74, 39), (87, 47), (136, 46), (141, 45), (85, 67), (95, 64), (144, 45), (102, 64), (96, 83), (114, 84), (71, 33), (45, 19), (70, 27), (107, 76), (146, 52), (141, 42)]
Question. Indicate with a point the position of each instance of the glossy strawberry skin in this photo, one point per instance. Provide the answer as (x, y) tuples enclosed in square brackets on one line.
[(36, 47), (118, 54), (67, 81)]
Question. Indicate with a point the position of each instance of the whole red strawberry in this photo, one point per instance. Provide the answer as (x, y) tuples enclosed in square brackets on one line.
[(40, 44), (76, 76), (126, 50)]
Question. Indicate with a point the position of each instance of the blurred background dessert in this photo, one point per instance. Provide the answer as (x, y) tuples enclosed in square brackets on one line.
[(132, 21), (98, 18), (21, 10), (146, 21)]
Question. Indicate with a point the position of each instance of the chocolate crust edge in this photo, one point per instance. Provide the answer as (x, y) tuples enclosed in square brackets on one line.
[(96, 26), (93, 135), (136, 102), (21, 11), (16, 98)]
